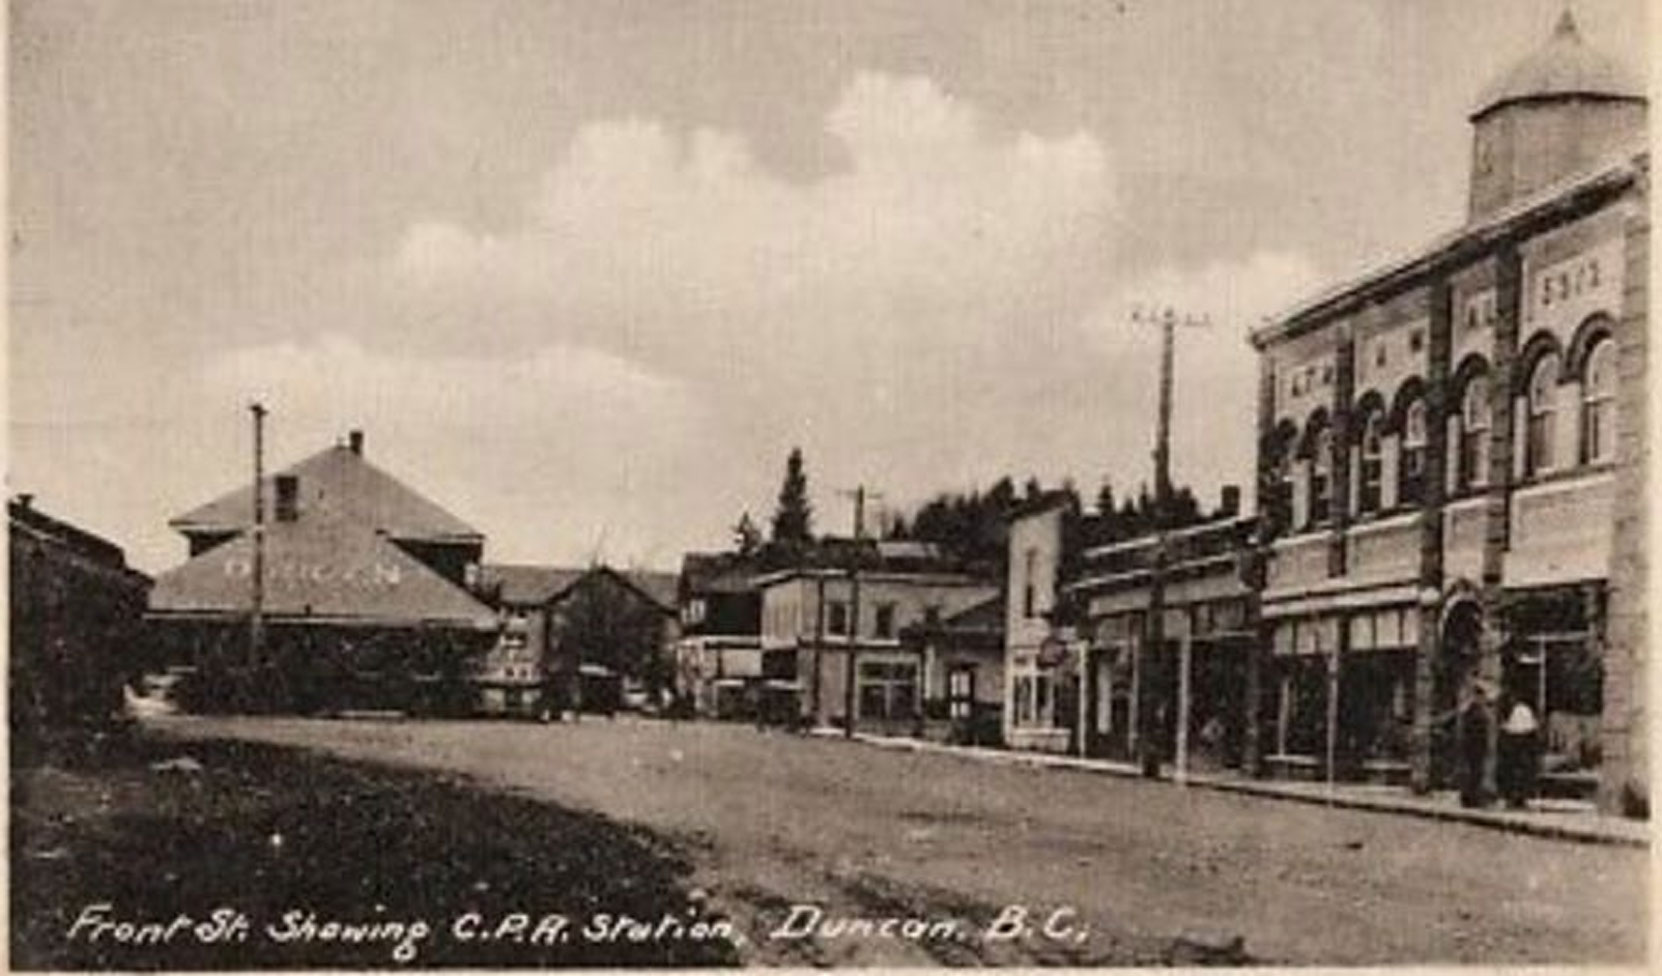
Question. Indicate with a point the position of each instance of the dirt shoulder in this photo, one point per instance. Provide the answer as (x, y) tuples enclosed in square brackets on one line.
[(278, 858)]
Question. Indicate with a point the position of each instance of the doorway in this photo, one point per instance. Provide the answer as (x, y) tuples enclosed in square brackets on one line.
[(1455, 663)]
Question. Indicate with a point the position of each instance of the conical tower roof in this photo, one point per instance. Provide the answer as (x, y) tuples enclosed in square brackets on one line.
[(1565, 66)]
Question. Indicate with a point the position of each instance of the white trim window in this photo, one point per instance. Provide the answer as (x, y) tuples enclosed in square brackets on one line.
[(1598, 404), (1411, 490), (1321, 477), (1543, 387), (1373, 464), (1474, 432)]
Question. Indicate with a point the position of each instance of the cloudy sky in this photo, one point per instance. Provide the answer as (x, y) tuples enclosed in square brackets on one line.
[(586, 271)]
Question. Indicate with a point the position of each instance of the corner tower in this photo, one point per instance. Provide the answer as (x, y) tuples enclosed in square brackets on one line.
[(1556, 112)]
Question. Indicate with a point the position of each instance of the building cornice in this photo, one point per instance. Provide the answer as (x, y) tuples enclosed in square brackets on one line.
[(1556, 204)]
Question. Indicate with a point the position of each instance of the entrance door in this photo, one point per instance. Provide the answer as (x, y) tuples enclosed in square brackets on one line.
[(960, 693), (1456, 659)]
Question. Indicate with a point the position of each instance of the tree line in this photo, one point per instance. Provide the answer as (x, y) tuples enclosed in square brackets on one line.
[(970, 528)]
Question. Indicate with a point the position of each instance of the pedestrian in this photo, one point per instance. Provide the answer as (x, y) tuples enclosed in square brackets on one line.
[(1519, 752), (1474, 746)]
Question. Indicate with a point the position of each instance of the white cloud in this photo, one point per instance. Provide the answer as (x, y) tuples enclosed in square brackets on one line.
[(940, 311), (685, 253)]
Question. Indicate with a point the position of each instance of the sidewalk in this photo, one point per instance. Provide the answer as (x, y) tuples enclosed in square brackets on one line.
[(1558, 819)]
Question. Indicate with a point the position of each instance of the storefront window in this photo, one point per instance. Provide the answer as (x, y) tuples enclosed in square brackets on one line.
[(888, 690)]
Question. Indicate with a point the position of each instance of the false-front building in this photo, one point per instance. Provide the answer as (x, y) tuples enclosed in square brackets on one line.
[(1450, 457), (843, 613)]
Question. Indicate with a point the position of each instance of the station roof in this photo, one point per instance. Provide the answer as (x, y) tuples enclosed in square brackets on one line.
[(338, 484), (323, 572)]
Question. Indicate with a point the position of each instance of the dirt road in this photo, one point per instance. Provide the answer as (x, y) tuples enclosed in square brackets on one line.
[(1118, 867)]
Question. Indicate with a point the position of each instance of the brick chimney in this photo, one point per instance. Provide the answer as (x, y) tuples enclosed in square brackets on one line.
[(355, 442), (1229, 501)]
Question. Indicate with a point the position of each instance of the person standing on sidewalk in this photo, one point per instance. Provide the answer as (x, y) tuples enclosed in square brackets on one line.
[(1518, 752)]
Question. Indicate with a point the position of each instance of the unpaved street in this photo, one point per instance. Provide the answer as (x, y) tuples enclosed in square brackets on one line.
[(771, 820)]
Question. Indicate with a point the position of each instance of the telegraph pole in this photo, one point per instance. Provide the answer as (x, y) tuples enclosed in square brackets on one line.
[(851, 700), (256, 615), (1153, 650)]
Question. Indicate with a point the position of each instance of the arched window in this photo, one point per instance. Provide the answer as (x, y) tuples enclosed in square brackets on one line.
[(1321, 476), (1372, 463), (1279, 504), (1598, 404), (1411, 489), (1543, 386), (1474, 432)]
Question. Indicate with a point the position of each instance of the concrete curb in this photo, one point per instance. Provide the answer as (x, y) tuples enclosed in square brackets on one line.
[(1601, 830)]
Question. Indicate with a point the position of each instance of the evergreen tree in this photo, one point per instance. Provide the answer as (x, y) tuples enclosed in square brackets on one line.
[(747, 538), (1105, 498), (792, 521)]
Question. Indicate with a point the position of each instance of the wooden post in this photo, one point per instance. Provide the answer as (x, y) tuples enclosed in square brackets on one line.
[(851, 664), (1185, 665), (256, 612)]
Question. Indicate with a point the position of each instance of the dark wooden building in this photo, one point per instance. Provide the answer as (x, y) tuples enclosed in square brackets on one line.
[(75, 632)]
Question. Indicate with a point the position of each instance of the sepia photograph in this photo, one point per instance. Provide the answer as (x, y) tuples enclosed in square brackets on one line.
[(527, 484)]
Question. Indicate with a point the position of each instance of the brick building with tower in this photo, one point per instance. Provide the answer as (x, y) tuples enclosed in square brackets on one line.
[(1451, 459)]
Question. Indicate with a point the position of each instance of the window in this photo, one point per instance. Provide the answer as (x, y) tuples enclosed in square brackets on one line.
[(1412, 490), (1321, 476), (1416, 340), (1543, 384), (1598, 406), (1372, 464), (888, 690), (1474, 433), (885, 620), (288, 497), (1280, 502), (836, 618)]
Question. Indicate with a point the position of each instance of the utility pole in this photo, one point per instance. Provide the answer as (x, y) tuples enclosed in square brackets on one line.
[(1151, 654), (851, 700), (256, 615), (819, 649)]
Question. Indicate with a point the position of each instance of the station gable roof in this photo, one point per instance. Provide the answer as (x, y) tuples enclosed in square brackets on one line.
[(338, 485), (328, 573)]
